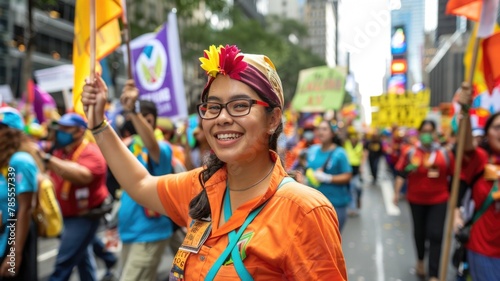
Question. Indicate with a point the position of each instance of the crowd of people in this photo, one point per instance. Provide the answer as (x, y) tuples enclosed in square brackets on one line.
[(225, 204)]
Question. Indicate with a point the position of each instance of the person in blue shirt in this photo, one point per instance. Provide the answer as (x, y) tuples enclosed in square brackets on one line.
[(144, 233), (18, 186), (331, 169)]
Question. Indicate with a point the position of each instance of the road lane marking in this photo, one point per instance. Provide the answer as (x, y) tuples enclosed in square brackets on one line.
[(388, 194), (47, 255)]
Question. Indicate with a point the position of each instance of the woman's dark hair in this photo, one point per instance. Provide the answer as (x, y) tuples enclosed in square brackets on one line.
[(335, 139), (427, 122), (10, 141), (199, 207), (484, 144)]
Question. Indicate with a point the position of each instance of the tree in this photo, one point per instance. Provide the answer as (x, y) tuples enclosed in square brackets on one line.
[(249, 35)]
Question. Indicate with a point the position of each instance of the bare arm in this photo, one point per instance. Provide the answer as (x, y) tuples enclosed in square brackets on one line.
[(70, 171), (465, 99), (128, 100), (129, 172), (147, 135), (342, 178)]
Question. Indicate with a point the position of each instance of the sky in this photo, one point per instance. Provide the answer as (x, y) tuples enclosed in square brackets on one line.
[(365, 34)]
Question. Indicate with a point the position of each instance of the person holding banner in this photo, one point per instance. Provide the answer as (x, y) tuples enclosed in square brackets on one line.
[(427, 167), (480, 227), (242, 193)]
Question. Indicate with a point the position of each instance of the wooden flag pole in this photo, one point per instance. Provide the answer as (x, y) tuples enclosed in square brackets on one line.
[(126, 37), (92, 55), (452, 202)]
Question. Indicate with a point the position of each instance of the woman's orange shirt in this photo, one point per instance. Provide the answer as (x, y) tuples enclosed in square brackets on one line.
[(294, 237)]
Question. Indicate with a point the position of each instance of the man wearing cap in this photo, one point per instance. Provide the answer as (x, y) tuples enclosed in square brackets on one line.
[(18, 185), (78, 171)]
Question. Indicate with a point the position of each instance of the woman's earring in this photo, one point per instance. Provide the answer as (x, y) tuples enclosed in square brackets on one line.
[(271, 132)]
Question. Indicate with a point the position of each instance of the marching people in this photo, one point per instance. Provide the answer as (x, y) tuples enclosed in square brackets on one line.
[(427, 168), (144, 232), (18, 187), (373, 152), (354, 150), (481, 171), (78, 171), (331, 169), (242, 193)]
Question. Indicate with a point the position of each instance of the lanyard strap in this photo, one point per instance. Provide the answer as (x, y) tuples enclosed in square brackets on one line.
[(486, 202), (234, 238)]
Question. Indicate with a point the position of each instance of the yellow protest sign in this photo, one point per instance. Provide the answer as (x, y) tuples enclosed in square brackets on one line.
[(408, 109)]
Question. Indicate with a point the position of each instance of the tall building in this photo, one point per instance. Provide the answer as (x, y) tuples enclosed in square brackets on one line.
[(320, 18), (289, 9), (447, 24), (53, 39), (410, 16)]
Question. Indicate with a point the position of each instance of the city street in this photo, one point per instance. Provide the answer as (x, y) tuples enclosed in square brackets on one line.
[(378, 244)]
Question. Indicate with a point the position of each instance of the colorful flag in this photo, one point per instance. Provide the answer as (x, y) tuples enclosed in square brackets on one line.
[(44, 104), (479, 82), (491, 61), (108, 38), (157, 70), (470, 9), (484, 11)]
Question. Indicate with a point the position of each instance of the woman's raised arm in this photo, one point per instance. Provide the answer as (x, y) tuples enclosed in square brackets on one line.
[(129, 172)]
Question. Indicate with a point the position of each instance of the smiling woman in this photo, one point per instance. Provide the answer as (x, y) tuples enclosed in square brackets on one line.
[(241, 204)]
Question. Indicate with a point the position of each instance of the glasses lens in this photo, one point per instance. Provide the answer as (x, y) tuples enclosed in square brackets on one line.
[(209, 110), (239, 107)]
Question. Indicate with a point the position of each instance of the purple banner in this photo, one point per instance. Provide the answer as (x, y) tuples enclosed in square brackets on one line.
[(154, 60)]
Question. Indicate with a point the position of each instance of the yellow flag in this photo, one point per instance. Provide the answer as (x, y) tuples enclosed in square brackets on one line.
[(479, 81), (108, 38)]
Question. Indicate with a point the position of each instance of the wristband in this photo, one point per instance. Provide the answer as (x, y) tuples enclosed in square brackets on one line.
[(100, 130), (104, 122), (102, 125)]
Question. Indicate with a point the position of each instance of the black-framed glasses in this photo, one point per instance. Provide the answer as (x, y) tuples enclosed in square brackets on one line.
[(236, 108)]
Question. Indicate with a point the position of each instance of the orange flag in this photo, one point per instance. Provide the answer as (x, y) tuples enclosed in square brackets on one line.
[(108, 38), (470, 9), (491, 61)]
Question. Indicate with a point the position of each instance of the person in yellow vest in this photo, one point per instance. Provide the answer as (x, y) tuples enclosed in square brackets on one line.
[(354, 149)]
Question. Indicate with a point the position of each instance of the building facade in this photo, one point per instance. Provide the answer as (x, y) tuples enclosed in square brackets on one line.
[(411, 16), (289, 9), (320, 17)]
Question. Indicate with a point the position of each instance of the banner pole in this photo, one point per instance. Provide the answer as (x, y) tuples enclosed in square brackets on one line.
[(452, 202), (126, 37), (92, 54)]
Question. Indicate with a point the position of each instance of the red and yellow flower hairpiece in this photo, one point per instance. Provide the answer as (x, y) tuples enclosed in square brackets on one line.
[(224, 60)]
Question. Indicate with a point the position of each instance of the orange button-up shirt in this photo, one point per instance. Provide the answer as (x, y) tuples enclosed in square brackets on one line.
[(294, 237)]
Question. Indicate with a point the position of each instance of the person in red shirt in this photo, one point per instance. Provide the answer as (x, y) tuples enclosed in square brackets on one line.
[(241, 206), (481, 170), (78, 171), (427, 168)]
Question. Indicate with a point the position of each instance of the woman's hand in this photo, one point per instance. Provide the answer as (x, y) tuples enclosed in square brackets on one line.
[(95, 94), (464, 95)]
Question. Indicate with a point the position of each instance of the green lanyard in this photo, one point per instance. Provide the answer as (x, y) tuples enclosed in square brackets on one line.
[(234, 238), (486, 202)]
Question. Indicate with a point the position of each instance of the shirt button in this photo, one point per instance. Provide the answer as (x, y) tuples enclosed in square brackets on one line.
[(202, 258)]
